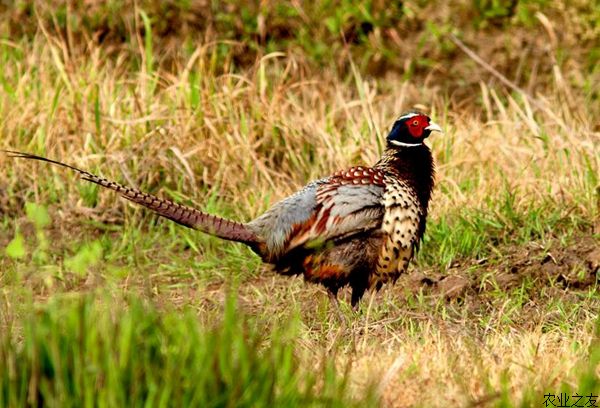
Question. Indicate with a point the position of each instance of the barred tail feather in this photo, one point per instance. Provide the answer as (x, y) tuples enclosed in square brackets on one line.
[(187, 216)]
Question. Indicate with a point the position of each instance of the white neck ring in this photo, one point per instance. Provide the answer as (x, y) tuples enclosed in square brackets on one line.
[(397, 143)]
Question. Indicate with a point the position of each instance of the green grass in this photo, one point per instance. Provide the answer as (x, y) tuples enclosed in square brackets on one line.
[(112, 345), (475, 233), (472, 233), (95, 350)]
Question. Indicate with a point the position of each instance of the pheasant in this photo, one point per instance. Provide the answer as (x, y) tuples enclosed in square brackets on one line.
[(358, 227)]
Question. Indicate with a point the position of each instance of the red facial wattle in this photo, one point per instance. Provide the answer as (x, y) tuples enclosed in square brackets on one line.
[(416, 125)]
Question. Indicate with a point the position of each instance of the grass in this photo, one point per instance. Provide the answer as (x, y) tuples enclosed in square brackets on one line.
[(79, 351), (106, 304)]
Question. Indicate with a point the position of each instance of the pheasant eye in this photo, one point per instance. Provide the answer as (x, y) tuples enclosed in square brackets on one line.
[(415, 123)]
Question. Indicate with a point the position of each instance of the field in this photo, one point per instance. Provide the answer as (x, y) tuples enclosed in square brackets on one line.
[(229, 107)]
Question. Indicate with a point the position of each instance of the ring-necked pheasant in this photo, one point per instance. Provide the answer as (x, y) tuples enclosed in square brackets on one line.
[(358, 227)]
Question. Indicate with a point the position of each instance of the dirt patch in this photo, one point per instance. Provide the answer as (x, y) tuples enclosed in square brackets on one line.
[(573, 266)]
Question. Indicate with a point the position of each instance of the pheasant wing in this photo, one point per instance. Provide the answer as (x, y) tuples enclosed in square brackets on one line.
[(345, 204)]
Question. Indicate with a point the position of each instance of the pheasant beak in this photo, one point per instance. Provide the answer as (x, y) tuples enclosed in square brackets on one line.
[(434, 127)]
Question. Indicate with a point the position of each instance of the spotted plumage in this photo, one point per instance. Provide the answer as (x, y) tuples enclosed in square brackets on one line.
[(401, 228), (358, 175), (358, 227)]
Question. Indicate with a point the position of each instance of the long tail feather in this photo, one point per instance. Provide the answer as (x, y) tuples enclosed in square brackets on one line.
[(187, 216)]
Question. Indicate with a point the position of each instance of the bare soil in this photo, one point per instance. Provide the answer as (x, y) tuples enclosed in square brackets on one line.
[(574, 266)]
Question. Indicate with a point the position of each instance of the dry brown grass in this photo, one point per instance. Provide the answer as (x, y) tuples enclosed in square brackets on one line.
[(275, 127), (446, 369)]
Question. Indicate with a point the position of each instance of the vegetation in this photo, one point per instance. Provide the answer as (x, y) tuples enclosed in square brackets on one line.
[(228, 107), (78, 351)]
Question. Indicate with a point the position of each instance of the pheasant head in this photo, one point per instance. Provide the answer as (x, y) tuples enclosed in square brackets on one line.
[(411, 129)]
